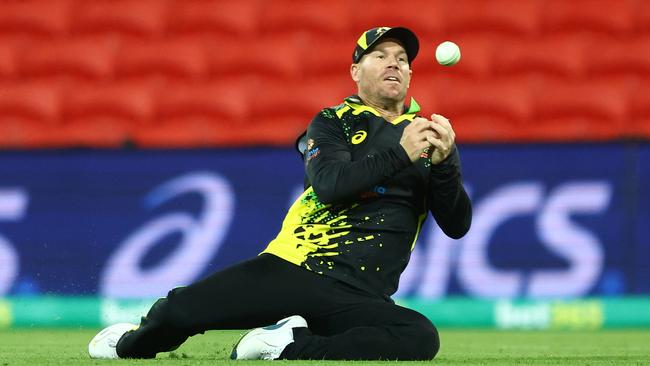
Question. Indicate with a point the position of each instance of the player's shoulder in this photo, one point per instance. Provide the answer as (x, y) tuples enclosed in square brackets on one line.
[(329, 113), (336, 112)]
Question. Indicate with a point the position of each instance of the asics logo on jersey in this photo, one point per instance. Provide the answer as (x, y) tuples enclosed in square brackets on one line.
[(358, 137)]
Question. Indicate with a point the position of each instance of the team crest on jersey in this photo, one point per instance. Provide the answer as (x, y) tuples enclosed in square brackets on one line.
[(359, 137)]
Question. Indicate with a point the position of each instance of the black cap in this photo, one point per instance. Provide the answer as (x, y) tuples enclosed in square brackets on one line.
[(372, 36)]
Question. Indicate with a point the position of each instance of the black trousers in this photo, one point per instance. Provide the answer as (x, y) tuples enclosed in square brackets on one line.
[(345, 323)]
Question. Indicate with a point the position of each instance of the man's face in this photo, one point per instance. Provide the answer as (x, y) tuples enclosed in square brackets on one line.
[(384, 72)]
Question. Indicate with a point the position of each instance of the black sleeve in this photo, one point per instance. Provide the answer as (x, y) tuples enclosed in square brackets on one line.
[(330, 169), (448, 201)]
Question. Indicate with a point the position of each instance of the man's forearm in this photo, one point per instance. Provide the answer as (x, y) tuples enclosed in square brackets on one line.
[(334, 180), (448, 201)]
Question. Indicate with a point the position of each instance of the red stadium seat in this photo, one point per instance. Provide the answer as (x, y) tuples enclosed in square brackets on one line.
[(96, 131), (488, 111), (318, 93), (426, 92), (30, 115), (279, 131), (639, 119), (286, 108), (194, 131), (214, 17), (475, 62), (424, 17), (225, 101), (89, 58), (332, 57), (41, 18), (597, 16), (8, 62), (508, 99), (612, 56), (488, 129), (580, 111), (274, 56), (574, 130), (190, 115), (303, 98), (104, 115), (318, 17), (38, 102), (177, 58), (128, 102), (642, 17), (18, 133), (554, 56), (474, 115), (141, 18), (509, 17)]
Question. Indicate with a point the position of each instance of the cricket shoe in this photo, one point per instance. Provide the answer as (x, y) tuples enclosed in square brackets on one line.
[(267, 343), (104, 344)]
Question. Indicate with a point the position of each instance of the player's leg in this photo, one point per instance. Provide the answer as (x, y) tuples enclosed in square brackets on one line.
[(247, 295), (368, 330)]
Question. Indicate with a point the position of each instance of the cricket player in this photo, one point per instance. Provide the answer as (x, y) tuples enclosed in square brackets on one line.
[(374, 170)]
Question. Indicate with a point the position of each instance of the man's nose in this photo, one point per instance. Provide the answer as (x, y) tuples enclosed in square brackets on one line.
[(392, 63)]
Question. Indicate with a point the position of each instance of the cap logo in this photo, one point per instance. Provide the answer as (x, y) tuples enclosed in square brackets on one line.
[(382, 30)]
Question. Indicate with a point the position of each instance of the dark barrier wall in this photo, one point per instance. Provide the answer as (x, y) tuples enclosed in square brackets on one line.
[(550, 221)]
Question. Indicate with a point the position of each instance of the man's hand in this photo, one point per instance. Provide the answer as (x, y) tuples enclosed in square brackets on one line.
[(416, 137), (422, 134), (442, 140)]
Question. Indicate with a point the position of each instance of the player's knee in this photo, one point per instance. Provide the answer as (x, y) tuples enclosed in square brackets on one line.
[(425, 342), (168, 313)]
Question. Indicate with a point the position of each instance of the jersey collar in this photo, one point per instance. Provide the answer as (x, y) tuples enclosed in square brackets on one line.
[(355, 104)]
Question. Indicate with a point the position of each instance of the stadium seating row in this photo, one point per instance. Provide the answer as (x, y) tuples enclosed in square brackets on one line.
[(154, 18), (150, 113), (108, 58)]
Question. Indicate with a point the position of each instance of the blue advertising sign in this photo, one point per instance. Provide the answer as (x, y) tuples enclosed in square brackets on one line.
[(549, 221), (637, 229)]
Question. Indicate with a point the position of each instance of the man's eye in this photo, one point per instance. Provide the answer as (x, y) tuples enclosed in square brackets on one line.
[(401, 59), (380, 56)]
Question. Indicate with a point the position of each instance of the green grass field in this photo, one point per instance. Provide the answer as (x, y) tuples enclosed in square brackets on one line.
[(459, 347)]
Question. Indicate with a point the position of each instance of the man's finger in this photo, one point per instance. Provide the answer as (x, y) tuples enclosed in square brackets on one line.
[(419, 119), (439, 118), (443, 133), (442, 121), (419, 124)]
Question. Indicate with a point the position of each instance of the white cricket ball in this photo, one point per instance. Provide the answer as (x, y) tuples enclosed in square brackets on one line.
[(448, 53)]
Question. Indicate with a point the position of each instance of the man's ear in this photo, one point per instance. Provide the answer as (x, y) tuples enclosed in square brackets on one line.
[(354, 72)]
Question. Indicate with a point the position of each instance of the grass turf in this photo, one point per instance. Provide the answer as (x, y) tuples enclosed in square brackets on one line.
[(466, 347)]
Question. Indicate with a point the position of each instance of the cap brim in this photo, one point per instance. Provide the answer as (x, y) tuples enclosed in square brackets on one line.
[(404, 35)]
